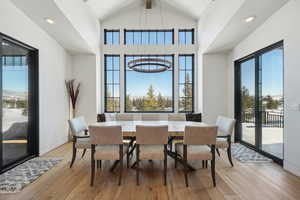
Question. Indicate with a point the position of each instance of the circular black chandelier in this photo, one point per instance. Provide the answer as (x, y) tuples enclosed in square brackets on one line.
[(149, 65)]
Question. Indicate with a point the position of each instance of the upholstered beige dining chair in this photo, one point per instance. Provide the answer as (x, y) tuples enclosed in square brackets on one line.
[(176, 117), (151, 144), (154, 117), (80, 137), (107, 144), (124, 117), (195, 147), (225, 130)]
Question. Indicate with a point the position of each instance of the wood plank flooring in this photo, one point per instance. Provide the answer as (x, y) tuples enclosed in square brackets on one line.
[(244, 181)]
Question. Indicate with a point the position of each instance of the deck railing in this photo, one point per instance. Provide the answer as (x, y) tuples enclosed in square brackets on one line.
[(269, 118)]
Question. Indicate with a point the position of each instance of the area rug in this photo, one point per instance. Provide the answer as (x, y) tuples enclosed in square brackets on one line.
[(247, 155), (17, 178)]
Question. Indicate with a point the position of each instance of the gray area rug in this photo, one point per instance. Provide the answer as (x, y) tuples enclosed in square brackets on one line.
[(17, 178), (246, 155)]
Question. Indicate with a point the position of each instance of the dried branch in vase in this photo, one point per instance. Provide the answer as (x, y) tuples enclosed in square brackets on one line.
[(73, 93)]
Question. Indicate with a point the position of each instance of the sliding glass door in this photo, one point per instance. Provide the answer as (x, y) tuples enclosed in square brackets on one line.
[(18, 111), (259, 101), (247, 68), (271, 104)]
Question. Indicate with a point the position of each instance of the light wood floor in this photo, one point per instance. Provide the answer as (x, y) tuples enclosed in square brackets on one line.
[(244, 181)]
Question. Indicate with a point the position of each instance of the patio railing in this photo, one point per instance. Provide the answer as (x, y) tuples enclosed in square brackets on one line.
[(269, 118)]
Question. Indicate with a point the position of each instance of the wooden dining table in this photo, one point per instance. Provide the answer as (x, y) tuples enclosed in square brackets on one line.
[(175, 129)]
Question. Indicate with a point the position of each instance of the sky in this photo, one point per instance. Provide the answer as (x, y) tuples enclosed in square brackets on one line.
[(272, 73), (15, 78)]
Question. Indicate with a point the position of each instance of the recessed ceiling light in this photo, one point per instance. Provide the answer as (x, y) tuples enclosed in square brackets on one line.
[(250, 19), (49, 21)]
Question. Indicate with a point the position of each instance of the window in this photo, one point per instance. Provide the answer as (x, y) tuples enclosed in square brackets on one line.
[(112, 83), (186, 80), (186, 36), (149, 37), (111, 37), (148, 92)]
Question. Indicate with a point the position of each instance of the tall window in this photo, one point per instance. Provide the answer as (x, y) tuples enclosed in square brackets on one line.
[(149, 37), (186, 79), (112, 83), (148, 92), (186, 36), (112, 37)]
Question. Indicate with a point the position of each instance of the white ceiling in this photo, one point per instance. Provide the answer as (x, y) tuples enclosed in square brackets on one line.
[(74, 33), (103, 8), (237, 29), (62, 31)]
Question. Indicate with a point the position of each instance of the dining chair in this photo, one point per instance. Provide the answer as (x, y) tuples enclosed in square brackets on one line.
[(151, 144), (225, 130), (124, 117), (80, 137), (107, 144), (194, 117), (101, 117), (195, 147), (154, 117), (176, 117)]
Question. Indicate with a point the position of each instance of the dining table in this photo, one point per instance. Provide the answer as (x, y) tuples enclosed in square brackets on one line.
[(175, 129)]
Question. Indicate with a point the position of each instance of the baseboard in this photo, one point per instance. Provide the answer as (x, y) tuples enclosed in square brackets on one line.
[(51, 149), (294, 169)]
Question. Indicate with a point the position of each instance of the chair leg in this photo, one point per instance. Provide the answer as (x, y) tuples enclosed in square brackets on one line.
[(137, 164), (176, 158), (127, 159), (92, 166), (121, 163), (203, 164), (170, 141), (99, 162), (185, 165), (83, 153), (229, 155), (165, 165), (218, 152), (74, 155), (213, 166)]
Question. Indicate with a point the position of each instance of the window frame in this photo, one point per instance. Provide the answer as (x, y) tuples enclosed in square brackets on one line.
[(149, 30), (105, 82), (192, 30), (192, 83), (125, 83), (111, 31)]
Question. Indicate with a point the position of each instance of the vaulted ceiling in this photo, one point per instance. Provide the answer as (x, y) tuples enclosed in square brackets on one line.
[(221, 23), (102, 9)]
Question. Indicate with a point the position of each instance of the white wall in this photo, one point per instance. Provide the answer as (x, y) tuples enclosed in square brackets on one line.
[(214, 90), (54, 63), (84, 71), (283, 25)]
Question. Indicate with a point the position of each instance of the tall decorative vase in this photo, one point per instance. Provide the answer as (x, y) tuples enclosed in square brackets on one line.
[(73, 93)]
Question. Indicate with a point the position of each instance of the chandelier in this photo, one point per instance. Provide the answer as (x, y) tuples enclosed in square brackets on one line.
[(152, 64), (149, 65)]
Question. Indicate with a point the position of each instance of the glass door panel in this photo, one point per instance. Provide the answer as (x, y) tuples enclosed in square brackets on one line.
[(271, 67), (247, 69), (259, 101), (14, 102)]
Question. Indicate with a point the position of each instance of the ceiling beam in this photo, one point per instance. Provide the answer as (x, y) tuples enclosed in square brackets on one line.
[(148, 4)]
